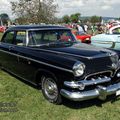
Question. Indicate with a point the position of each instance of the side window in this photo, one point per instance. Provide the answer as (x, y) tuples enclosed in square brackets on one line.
[(20, 38), (8, 38), (50, 36), (64, 36), (35, 38)]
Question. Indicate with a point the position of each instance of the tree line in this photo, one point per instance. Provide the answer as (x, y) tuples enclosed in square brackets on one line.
[(42, 11), (75, 18)]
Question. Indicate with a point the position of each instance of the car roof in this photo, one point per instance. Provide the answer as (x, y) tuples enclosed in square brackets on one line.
[(36, 27)]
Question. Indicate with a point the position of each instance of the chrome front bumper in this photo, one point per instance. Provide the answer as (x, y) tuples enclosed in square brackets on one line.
[(100, 92)]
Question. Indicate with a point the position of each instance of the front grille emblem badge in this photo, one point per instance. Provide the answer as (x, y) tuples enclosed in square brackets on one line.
[(114, 66)]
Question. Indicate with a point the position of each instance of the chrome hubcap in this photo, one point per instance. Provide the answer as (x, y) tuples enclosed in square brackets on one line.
[(50, 88)]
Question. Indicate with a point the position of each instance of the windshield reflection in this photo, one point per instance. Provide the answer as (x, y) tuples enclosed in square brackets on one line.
[(51, 37)]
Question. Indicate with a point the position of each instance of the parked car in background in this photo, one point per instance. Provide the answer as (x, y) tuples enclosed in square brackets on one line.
[(83, 37), (2, 28), (50, 57), (111, 39)]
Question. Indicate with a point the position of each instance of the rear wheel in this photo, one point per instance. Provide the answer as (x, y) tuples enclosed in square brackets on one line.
[(50, 89)]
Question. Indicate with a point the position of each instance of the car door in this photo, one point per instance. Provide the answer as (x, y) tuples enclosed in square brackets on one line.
[(7, 58), (24, 67), (13, 55)]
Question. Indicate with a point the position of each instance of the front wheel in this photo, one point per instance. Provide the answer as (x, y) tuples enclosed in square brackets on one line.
[(50, 90)]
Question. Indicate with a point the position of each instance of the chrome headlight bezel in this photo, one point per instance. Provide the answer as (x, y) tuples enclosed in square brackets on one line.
[(78, 69), (115, 61)]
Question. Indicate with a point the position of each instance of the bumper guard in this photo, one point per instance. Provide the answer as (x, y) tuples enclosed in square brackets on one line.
[(100, 92)]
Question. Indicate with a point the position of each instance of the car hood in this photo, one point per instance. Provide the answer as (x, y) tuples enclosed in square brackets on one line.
[(82, 50), (95, 59)]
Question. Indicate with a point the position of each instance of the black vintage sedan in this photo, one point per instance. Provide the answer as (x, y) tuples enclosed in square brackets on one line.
[(50, 57)]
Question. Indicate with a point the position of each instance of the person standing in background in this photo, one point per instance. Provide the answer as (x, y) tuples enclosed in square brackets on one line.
[(79, 28), (85, 28)]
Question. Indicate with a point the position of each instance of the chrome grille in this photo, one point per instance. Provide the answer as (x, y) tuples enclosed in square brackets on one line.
[(96, 81), (99, 75)]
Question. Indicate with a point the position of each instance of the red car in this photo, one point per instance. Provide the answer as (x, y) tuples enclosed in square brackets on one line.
[(84, 37), (2, 28)]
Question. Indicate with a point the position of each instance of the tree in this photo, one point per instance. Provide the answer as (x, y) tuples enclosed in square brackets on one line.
[(95, 19), (4, 18), (66, 19), (35, 11), (75, 17)]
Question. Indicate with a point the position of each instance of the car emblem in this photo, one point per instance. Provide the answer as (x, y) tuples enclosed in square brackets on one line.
[(114, 66)]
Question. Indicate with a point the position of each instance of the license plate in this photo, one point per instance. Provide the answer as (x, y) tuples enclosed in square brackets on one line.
[(118, 93)]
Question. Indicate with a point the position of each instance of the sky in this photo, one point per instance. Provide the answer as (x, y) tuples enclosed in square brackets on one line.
[(108, 8)]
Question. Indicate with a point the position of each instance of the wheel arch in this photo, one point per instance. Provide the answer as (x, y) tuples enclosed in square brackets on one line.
[(41, 72)]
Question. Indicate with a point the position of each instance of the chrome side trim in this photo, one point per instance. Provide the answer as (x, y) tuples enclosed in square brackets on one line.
[(100, 92), (17, 55)]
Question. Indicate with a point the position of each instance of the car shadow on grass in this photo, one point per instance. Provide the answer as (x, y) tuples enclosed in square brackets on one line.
[(89, 103)]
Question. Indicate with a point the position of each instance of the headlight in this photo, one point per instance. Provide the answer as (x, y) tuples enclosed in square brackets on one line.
[(78, 69), (87, 39)]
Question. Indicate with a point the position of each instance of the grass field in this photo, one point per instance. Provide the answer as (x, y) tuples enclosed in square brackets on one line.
[(23, 102), (31, 105)]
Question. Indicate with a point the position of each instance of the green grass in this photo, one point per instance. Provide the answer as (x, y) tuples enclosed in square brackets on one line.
[(1, 35), (31, 105)]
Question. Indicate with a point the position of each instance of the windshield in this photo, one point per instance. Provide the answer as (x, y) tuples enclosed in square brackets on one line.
[(43, 37)]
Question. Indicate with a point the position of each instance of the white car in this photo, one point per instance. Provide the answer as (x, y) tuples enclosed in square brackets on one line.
[(110, 39)]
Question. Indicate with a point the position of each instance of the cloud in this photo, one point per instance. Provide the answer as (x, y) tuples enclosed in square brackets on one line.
[(89, 7), (85, 7), (5, 7), (76, 3), (106, 7)]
